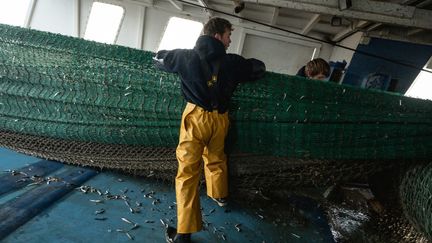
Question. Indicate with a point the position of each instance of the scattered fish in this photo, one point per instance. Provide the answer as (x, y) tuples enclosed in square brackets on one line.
[(84, 189), (127, 203), (129, 236), (135, 210), (101, 218), (96, 200), (127, 220), (52, 179), (163, 223), (135, 226), (101, 211), (22, 180)]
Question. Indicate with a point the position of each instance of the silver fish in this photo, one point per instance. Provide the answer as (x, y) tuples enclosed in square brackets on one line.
[(127, 220)]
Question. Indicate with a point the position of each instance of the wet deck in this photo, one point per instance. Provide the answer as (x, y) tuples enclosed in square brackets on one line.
[(73, 217)]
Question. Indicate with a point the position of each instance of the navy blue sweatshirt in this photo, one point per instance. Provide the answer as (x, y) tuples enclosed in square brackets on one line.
[(189, 64)]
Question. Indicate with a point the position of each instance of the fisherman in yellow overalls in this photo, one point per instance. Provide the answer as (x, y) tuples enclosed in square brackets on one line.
[(209, 77)]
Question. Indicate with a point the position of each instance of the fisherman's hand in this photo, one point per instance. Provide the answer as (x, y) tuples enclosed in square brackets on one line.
[(159, 58)]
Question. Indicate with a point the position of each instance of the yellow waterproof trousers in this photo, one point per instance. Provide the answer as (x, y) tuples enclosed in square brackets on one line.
[(202, 135)]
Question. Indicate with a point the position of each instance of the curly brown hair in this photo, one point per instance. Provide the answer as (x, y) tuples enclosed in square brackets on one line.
[(216, 26), (317, 66)]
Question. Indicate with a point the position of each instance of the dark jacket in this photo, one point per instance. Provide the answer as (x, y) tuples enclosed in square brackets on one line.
[(197, 65)]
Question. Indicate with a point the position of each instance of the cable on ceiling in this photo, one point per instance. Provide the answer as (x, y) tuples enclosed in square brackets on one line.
[(307, 36)]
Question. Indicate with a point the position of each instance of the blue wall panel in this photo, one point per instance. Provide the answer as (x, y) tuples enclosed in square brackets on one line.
[(362, 65)]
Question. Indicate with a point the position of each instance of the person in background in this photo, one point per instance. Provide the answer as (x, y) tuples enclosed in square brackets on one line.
[(208, 77), (317, 69)]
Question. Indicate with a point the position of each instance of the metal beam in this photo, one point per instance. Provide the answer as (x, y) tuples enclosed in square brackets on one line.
[(314, 20), (77, 18), (206, 5), (141, 26), (348, 31), (176, 4), (373, 11), (274, 16), (424, 4), (414, 31), (30, 12), (419, 39), (144, 3), (373, 27), (408, 2)]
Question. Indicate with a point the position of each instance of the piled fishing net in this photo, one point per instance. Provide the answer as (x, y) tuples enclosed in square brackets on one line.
[(416, 197), (107, 106)]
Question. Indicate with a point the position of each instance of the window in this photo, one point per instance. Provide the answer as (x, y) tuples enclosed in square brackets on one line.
[(104, 22), (180, 33), (14, 12), (422, 85)]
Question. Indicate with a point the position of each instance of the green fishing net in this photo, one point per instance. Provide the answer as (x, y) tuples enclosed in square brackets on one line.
[(68, 88), (75, 92), (106, 106), (416, 197)]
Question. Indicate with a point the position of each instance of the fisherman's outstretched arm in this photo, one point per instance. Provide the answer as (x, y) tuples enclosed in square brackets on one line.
[(258, 69), (248, 69), (171, 61)]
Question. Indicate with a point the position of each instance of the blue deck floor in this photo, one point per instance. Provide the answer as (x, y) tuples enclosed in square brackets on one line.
[(72, 218)]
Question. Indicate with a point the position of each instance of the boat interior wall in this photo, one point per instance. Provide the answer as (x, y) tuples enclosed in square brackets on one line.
[(277, 49), (130, 27), (401, 76), (143, 26), (59, 13), (345, 54), (145, 21)]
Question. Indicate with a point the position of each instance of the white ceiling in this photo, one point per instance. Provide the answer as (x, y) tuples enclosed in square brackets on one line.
[(405, 20)]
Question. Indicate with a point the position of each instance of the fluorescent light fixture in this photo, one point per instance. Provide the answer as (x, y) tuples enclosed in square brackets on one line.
[(104, 22)]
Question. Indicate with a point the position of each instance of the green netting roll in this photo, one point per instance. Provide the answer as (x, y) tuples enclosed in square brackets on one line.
[(68, 88), (416, 197)]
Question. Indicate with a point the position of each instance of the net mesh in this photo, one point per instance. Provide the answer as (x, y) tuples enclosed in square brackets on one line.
[(416, 197), (107, 106), (68, 88), (247, 171)]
